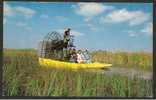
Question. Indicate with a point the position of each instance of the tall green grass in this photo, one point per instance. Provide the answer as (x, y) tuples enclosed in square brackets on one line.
[(139, 60), (23, 76)]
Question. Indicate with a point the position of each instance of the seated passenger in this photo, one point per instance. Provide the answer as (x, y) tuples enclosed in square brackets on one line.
[(73, 56), (87, 56), (80, 57)]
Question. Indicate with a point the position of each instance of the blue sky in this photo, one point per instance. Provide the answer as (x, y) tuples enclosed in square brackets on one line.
[(104, 26)]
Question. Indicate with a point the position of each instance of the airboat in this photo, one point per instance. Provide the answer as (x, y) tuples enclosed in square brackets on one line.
[(54, 53)]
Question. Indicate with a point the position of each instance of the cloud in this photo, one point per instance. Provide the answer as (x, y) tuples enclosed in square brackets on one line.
[(93, 27), (123, 15), (27, 12), (28, 28), (8, 10), (61, 18), (132, 33), (73, 32), (24, 26), (21, 24), (73, 6), (139, 18), (44, 2), (44, 16), (148, 29), (76, 33), (90, 10), (18, 10)]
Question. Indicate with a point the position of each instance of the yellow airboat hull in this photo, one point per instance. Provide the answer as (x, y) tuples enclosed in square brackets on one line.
[(60, 64)]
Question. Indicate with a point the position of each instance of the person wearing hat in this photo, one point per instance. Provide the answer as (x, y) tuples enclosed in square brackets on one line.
[(66, 37)]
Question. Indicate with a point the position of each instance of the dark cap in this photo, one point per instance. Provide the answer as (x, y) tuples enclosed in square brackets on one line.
[(68, 29)]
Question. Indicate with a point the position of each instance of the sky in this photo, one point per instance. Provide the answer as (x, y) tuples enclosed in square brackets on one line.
[(95, 26)]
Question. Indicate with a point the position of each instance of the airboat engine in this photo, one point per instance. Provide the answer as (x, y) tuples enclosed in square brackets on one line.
[(48, 45), (52, 46)]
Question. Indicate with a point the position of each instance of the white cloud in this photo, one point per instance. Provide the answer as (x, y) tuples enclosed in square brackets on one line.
[(148, 29), (132, 33), (28, 28), (8, 10), (24, 26), (90, 10), (139, 18), (92, 27), (73, 6), (21, 24), (44, 16), (76, 33), (95, 29), (123, 15), (27, 12), (73, 32), (61, 18), (118, 16), (44, 2)]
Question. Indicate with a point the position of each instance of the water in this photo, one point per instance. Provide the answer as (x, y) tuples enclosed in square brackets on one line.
[(130, 72)]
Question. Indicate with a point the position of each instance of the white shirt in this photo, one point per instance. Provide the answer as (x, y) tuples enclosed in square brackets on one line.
[(79, 58)]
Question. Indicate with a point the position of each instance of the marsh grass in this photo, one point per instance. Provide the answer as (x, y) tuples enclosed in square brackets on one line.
[(23, 76), (138, 60)]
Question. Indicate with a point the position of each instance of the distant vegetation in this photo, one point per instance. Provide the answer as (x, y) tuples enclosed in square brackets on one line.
[(23, 76), (138, 60)]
